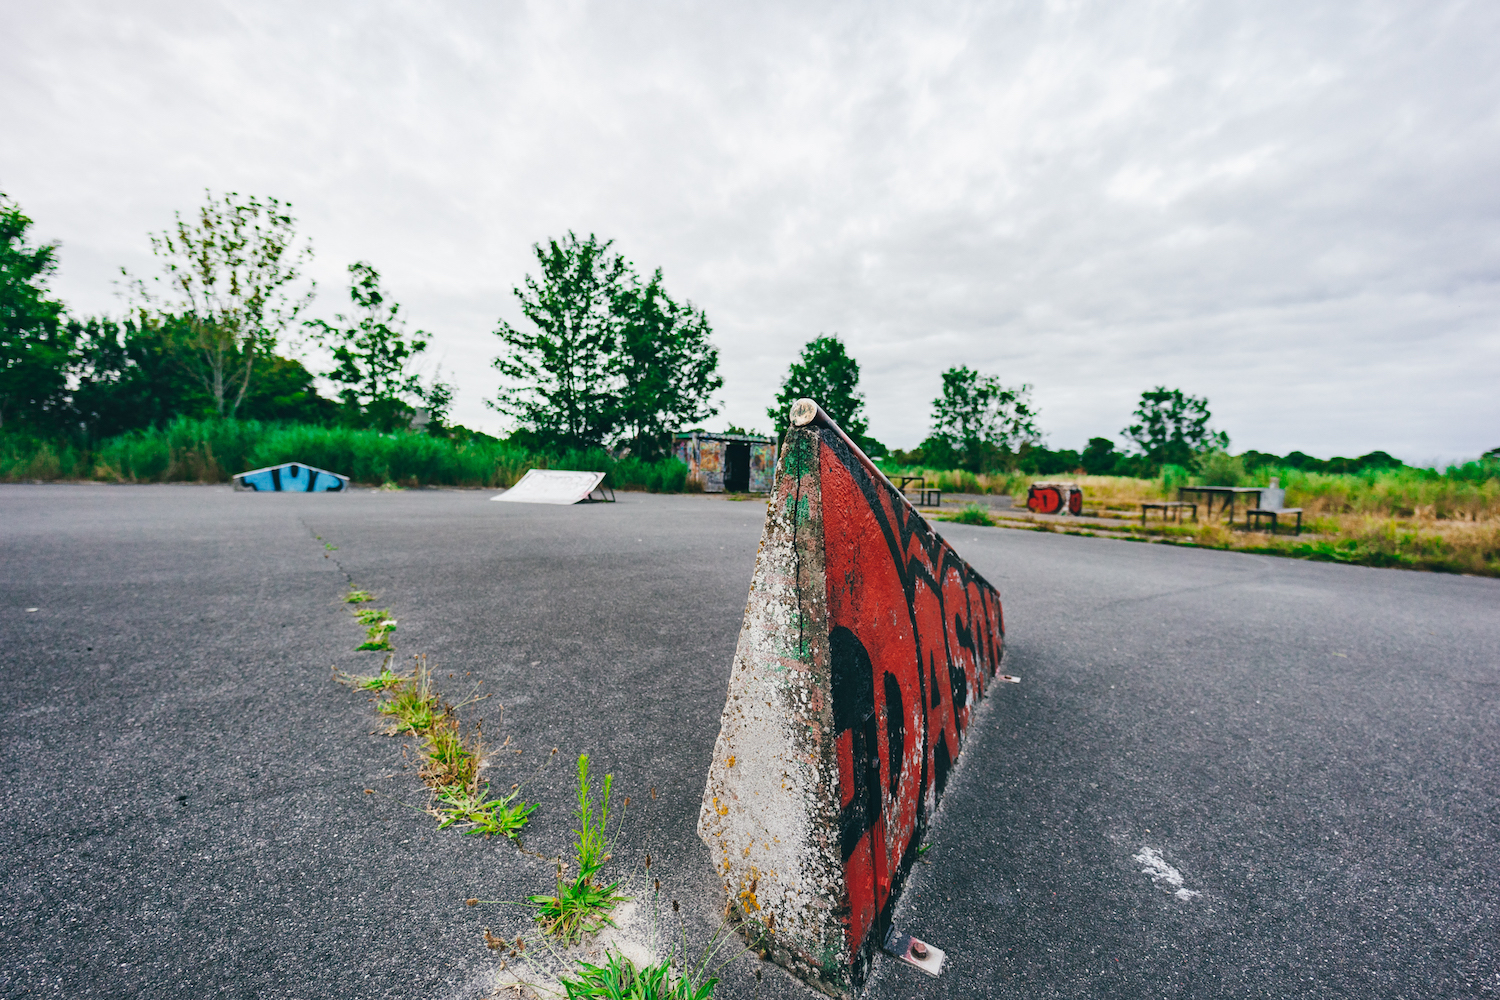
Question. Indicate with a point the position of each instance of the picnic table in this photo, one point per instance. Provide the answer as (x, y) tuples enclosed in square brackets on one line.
[(1228, 495), (926, 496)]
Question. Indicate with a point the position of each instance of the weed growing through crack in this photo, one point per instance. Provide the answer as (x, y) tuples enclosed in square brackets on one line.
[(583, 905), (621, 978), (451, 759), (358, 596), (380, 625), (671, 969), (383, 681), (411, 704)]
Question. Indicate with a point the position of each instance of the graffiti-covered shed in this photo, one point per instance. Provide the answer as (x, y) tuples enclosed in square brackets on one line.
[(738, 463)]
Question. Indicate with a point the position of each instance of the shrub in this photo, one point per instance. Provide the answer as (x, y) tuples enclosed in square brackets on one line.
[(213, 450)]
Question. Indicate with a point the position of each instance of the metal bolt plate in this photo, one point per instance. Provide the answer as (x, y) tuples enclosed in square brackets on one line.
[(907, 949)]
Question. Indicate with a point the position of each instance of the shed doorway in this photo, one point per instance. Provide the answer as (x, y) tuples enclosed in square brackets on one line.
[(737, 467)]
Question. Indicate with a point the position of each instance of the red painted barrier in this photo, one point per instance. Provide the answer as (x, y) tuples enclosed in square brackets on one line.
[(1044, 499), (867, 644), (1055, 498)]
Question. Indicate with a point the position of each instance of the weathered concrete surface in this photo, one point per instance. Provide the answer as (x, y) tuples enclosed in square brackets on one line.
[(867, 642)]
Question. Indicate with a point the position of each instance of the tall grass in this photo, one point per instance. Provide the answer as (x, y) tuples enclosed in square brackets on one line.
[(1462, 493), (211, 451), (962, 480)]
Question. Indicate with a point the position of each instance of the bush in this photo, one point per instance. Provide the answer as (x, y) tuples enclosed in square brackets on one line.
[(1219, 468), (213, 450)]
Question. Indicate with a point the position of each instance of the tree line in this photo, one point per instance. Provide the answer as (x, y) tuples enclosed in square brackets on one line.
[(606, 358), (982, 425), (609, 359), (979, 424), (208, 335)]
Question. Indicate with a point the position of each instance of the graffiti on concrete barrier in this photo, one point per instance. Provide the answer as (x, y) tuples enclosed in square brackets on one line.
[(915, 634), (1055, 498), (866, 646)]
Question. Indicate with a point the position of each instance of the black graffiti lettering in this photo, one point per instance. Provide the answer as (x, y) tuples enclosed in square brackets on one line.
[(853, 683), (965, 636), (959, 682), (942, 761)]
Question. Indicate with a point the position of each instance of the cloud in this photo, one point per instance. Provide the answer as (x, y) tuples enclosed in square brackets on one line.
[(1287, 208)]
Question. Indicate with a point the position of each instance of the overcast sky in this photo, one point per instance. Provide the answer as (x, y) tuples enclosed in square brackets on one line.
[(1290, 208)]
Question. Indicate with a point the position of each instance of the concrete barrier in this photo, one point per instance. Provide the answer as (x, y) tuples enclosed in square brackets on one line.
[(867, 644), (1055, 498)]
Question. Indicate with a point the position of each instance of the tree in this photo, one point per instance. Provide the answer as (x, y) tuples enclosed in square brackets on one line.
[(826, 374), (561, 374), (439, 399), (667, 368), (980, 422), (1100, 457), (229, 276), (127, 377), (372, 354), (35, 346), (1172, 427)]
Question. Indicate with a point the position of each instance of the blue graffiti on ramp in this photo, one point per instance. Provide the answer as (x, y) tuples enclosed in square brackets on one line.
[(291, 478)]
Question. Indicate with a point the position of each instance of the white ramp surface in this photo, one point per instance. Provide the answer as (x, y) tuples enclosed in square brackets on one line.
[(558, 486)]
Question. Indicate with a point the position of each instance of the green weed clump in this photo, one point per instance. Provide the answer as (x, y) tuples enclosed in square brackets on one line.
[(484, 816), (971, 514), (452, 760), (378, 633), (358, 597), (383, 681), (621, 979), (583, 905)]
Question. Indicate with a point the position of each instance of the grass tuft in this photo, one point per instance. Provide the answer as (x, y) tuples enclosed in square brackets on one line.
[(972, 514), (383, 681), (380, 626), (358, 597), (484, 816), (583, 905), (621, 979), (452, 760)]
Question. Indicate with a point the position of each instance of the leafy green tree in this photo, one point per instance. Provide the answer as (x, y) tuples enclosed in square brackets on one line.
[(35, 346), (1172, 428), (1100, 457), (1038, 460), (373, 354), (126, 377), (667, 367), (561, 374), (229, 275), (979, 422), (825, 373), (438, 397)]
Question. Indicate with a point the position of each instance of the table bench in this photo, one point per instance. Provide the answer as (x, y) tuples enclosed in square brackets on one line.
[(926, 497), (1227, 496), (1174, 507), (1252, 518), (1270, 505)]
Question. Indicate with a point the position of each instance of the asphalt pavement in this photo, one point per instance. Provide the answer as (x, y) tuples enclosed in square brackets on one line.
[(1221, 774)]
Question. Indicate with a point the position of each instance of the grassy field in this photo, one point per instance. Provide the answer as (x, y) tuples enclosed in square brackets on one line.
[(1408, 518), (210, 451)]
